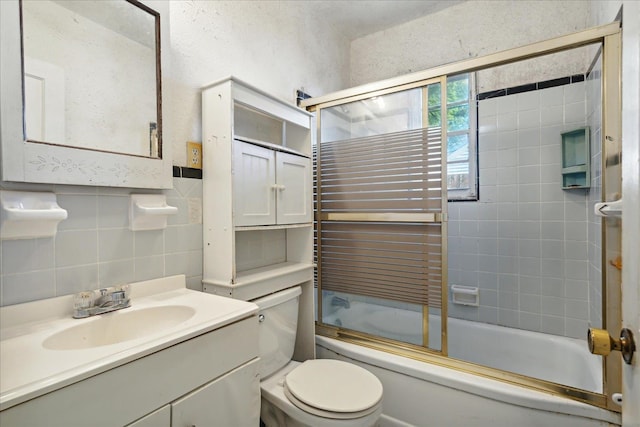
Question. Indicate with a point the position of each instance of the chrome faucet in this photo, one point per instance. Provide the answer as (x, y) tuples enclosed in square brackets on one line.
[(340, 302), (105, 300)]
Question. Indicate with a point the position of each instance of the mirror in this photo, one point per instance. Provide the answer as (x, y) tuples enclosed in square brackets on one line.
[(80, 93), (90, 75)]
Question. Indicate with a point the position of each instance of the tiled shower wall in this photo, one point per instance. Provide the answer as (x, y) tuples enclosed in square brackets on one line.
[(524, 244), (94, 247)]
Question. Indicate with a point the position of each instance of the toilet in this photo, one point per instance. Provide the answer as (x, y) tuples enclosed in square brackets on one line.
[(318, 393)]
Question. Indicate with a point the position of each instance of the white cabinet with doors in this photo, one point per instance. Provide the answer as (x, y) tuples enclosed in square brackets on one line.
[(258, 198), (210, 379), (270, 187)]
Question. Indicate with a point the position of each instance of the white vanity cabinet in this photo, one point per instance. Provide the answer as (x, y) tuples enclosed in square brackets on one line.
[(257, 198), (227, 401), (159, 418), (270, 187), (208, 380)]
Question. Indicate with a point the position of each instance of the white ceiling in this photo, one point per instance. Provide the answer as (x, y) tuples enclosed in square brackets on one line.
[(356, 18)]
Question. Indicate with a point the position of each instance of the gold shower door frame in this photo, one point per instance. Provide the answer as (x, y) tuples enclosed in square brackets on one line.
[(609, 36)]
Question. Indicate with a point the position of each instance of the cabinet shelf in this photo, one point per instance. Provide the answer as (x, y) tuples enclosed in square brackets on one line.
[(257, 282), (576, 159), (273, 227), (271, 146)]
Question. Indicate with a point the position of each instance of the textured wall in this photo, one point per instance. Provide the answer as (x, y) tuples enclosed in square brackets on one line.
[(467, 30), (276, 46)]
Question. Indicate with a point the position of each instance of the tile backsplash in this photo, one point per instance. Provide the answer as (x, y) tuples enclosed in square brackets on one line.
[(94, 247)]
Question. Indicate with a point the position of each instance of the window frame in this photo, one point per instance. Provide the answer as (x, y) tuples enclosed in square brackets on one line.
[(471, 193)]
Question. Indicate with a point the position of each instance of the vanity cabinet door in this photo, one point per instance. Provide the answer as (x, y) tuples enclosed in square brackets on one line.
[(159, 418), (231, 400), (294, 200), (254, 182)]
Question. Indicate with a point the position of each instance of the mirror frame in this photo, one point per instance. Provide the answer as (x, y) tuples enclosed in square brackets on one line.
[(38, 162)]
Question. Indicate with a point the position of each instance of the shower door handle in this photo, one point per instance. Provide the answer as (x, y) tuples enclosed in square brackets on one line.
[(600, 342), (608, 209)]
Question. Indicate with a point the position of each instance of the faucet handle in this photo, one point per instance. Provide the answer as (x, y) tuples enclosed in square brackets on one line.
[(119, 293), (83, 300)]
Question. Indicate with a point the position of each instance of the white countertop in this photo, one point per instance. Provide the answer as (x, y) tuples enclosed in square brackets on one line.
[(28, 369)]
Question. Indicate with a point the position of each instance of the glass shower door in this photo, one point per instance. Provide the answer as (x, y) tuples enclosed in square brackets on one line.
[(381, 234)]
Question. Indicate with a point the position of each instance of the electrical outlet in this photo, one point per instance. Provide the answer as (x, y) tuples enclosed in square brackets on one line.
[(194, 155)]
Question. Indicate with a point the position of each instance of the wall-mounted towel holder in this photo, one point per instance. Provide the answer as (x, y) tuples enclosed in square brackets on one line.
[(27, 215), (149, 211)]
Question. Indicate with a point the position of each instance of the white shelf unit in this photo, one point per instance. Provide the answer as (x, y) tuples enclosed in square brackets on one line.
[(257, 198)]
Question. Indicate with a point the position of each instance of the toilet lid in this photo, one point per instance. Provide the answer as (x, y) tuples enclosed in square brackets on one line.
[(334, 386)]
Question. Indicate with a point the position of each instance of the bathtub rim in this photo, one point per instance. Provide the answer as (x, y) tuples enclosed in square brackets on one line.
[(467, 382)]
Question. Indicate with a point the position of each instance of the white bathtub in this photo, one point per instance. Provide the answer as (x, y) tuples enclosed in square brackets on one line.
[(421, 394)]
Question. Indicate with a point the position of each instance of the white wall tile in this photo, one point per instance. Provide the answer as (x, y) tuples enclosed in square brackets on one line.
[(507, 140), (22, 256), (487, 142), (528, 156), (115, 244), (113, 211), (507, 104), (552, 211), (76, 248), (575, 113), (530, 321), (551, 306), (29, 286), (94, 248), (530, 303), (507, 121), (552, 116), (148, 242), (71, 280), (529, 119), (528, 100), (507, 211), (575, 328), (114, 273), (552, 325), (574, 93), (81, 212), (551, 96), (528, 193), (552, 286), (147, 268), (487, 124), (529, 137), (488, 107)]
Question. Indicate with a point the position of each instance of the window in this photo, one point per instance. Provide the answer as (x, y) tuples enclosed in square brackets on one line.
[(461, 134)]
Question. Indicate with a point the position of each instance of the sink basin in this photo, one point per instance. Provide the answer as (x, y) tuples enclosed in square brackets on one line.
[(118, 326)]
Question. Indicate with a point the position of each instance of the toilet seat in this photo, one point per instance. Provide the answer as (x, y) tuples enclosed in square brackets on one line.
[(333, 389)]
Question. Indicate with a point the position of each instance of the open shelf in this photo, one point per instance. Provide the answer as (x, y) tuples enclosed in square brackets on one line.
[(576, 159), (257, 282)]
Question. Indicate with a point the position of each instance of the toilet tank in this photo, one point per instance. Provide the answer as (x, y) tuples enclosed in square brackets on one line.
[(278, 317)]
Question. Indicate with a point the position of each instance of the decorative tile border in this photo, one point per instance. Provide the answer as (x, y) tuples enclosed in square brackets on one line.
[(185, 172), (531, 86)]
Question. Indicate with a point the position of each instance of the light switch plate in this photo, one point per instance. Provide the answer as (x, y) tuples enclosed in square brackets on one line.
[(194, 155)]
